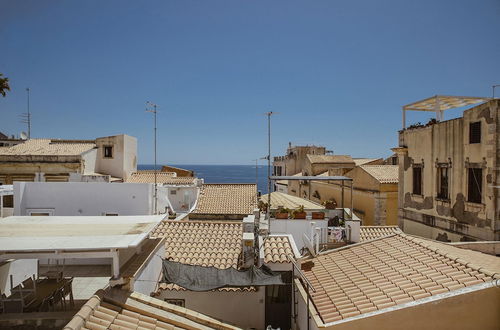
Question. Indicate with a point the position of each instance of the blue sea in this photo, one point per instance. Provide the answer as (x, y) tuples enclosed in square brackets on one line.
[(225, 173)]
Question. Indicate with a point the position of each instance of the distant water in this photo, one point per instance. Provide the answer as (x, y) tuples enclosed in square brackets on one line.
[(225, 173)]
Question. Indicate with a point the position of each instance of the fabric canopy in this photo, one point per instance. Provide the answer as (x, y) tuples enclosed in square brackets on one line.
[(199, 278)]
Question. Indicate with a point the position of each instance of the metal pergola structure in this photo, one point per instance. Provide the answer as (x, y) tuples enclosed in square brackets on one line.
[(342, 179), (440, 103)]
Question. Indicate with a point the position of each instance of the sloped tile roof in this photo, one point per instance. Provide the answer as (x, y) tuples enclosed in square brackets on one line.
[(327, 159), (117, 309), (147, 176), (290, 202), (382, 273), (203, 243), (383, 173), (371, 232), (48, 147), (276, 249), (365, 161), (230, 198)]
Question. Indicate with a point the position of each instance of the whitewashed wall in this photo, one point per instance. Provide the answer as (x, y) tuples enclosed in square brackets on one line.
[(19, 269), (147, 280), (87, 198), (182, 199), (296, 228), (244, 309)]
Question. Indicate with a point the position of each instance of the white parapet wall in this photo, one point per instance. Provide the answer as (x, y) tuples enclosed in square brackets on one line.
[(19, 269)]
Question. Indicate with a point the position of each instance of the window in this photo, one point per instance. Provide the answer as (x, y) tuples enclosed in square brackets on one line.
[(173, 192), (417, 180), (443, 183), (475, 185), (108, 151), (475, 132), (111, 214), (177, 302), (39, 214)]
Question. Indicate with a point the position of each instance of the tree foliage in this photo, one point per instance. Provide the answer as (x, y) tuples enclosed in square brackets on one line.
[(4, 85)]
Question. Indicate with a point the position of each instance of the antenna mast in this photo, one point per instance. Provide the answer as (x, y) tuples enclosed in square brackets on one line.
[(153, 110)]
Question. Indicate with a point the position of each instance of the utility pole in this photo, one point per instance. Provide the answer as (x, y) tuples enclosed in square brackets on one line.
[(26, 117), (153, 111), (269, 114)]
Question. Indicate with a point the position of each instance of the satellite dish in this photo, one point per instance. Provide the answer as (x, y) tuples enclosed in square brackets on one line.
[(24, 136)]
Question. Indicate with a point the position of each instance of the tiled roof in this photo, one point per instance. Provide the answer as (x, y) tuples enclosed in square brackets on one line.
[(382, 273), (147, 176), (48, 147), (279, 199), (327, 159), (363, 161), (227, 199), (371, 232), (117, 309), (204, 243), (276, 249), (383, 173)]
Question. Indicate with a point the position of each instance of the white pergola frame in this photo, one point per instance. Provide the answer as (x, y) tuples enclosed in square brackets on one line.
[(440, 103)]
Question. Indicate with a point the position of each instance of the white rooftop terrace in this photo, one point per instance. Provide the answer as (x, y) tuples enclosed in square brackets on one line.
[(77, 237)]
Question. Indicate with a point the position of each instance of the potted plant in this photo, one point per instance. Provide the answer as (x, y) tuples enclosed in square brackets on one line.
[(262, 206), (330, 204), (282, 213), (318, 215), (299, 213)]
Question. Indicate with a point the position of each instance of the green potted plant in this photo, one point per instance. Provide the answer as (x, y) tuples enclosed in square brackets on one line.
[(299, 213), (282, 213), (330, 204), (318, 215)]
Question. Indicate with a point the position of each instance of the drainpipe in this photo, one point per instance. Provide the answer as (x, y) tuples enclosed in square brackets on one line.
[(317, 239)]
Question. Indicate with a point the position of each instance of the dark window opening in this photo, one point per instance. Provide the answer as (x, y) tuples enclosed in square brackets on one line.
[(475, 132), (108, 152), (177, 302), (417, 181), (475, 185), (443, 180)]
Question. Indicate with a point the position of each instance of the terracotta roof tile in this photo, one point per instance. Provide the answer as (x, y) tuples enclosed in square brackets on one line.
[(240, 199), (383, 173), (200, 242), (116, 309), (147, 176), (276, 249), (392, 270), (48, 147), (279, 199), (372, 232), (330, 159)]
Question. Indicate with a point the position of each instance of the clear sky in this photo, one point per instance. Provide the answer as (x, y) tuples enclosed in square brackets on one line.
[(337, 72)]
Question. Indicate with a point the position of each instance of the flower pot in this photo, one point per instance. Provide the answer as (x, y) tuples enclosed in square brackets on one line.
[(318, 215), (281, 215), (300, 215)]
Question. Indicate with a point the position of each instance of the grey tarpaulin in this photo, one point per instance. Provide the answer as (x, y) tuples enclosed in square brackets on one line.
[(199, 278)]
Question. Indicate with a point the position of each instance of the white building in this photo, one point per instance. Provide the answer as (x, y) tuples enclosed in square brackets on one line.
[(87, 198)]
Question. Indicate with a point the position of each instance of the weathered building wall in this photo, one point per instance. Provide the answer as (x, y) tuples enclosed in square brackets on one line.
[(447, 144), (373, 203), (28, 171), (124, 159), (244, 309)]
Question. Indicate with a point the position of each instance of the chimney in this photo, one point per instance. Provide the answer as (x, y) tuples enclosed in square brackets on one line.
[(353, 230), (248, 250)]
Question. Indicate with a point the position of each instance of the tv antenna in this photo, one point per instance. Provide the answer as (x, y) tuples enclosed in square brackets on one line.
[(152, 109), (26, 116)]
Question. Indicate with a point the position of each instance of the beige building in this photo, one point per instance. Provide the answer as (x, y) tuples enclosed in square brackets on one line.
[(51, 160), (449, 171), (294, 160), (375, 192)]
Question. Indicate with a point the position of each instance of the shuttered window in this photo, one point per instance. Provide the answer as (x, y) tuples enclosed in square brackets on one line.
[(417, 181), (443, 183), (475, 185), (475, 132)]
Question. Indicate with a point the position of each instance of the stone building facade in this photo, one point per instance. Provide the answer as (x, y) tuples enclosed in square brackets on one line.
[(449, 171)]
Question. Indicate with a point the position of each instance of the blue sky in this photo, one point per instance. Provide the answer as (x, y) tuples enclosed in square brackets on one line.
[(337, 72)]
